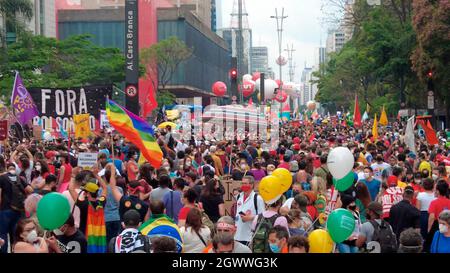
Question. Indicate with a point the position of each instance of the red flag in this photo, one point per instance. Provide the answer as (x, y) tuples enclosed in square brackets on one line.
[(356, 114), (430, 134)]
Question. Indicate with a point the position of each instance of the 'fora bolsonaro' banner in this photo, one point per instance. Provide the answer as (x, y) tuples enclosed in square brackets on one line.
[(57, 106)]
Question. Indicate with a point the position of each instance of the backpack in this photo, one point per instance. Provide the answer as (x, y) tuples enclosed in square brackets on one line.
[(17, 194), (206, 221), (260, 242), (384, 235)]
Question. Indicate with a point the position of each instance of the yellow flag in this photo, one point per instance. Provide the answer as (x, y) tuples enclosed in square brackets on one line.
[(81, 123), (375, 129), (383, 118), (141, 160)]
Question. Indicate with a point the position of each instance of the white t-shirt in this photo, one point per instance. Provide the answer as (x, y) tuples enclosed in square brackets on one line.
[(425, 199), (244, 229), (192, 242), (27, 171), (378, 169)]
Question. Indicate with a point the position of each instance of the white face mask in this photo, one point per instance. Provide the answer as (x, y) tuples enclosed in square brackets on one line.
[(443, 228), (366, 175), (58, 232), (38, 167), (243, 166), (188, 163), (32, 236), (434, 176)]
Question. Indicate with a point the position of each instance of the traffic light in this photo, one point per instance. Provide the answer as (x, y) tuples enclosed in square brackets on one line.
[(430, 74), (233, 73), (430, 85)]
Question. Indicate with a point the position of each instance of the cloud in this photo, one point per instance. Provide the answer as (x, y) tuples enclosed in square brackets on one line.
[(302, 28)]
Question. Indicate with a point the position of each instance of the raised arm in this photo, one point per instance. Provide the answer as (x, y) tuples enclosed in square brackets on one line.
[(72, 191), (101, 181), (113, 183)]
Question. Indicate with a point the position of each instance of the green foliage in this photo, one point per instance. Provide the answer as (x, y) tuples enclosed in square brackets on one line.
[(47, 62), (375, 63), (163, 58)]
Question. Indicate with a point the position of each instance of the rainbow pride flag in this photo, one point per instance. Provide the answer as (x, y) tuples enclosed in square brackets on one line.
[(161, 225), (96, 230), (135, 130)]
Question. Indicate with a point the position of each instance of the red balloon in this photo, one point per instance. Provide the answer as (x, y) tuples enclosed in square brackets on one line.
[(247, 89), (281, 97), (296, 140), (219, 89), (279, 82), (256, 76)]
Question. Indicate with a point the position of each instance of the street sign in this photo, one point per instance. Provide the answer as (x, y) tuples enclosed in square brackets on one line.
[(430, 102)]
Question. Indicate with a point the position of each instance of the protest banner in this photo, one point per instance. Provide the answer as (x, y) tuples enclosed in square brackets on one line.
[(62, 104), (87, 160), (3, 130)]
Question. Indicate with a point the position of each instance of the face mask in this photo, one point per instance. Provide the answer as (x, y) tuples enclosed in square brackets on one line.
[(243, 166), (246, 188), (274, 248), (443, 228), (38, 168), (352, 207), (188, 164), (167, 167), (12, 172), (32, 236), (366, 175), (58, 232), (269, 172), (434, 176)]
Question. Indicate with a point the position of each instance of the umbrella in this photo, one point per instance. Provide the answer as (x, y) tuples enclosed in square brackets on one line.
[(167, 123)]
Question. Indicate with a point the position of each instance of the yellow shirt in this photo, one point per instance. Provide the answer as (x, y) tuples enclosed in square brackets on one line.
[(401, 184)]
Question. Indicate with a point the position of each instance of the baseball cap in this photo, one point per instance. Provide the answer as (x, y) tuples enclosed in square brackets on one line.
[(392, 180), (296, 147), (409, 189), (91, 187), (132, 218), (50, 154), (375, 207)]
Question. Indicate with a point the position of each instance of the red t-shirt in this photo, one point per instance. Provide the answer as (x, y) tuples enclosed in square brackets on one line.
[(183, 213), (312, 211), (51, 169), (417, 188), (438, 205)]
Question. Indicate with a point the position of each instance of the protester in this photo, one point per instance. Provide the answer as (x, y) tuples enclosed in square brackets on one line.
[(441, 238), (278, 239), (130, 240), (26, 239), (372, 184), (298, 244), (68, 239), (212, 201), (404, 215), (65, 172), (189, 199), (196, 236), (392, 195), (423, 204), (349, 245), (410, 241), (173, 199), (441, 203), (158, 193), (223, 243)]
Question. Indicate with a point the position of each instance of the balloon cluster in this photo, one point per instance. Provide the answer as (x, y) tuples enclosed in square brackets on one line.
[(273, 186), (340, 163)]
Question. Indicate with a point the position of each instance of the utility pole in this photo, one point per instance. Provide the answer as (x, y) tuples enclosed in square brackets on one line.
[(290, 51), (240, 46), (280, 20)]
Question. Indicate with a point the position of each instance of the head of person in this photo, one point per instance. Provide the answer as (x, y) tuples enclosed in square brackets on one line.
[(190, 178), (194, 219), (368, 173), (418, 178), (164, 244), (294, 218), (444, 222), (31, 202), (63, 158), (270, 169), (51, 156), (247, 184), (296, 188), (411, 241), (293, 166), (132, 155), (135, 188), (442, 171), (379, 158), (157, 207), (298, 244), (41, 166), (66, 229), (278, 237), (318, 185), (442, 188), (179, 184), (226, 224), (428, 184), (275, 206), (243, 165), (131, 219), (392, 181), (374, 211), (51, 182), (102, 159), (423, 156), (91, 189), (300, 202), (392, 161), (348, 202), (189, 197), (223, 243), (26, 231), (24, 163), (164, 181), (408, 193)]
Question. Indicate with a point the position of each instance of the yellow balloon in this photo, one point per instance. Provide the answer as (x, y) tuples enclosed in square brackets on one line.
[(269, 189), (320, 241), (285, 178)]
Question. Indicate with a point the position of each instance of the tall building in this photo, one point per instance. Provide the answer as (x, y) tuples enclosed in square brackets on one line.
[(260, 59), (270, 73), (213, 16), (200, 8), (44, 18), (219, 13), (335, 40), (306, 85), (320, 57)]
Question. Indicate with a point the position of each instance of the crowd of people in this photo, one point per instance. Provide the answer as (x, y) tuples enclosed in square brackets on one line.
[(399, 198)]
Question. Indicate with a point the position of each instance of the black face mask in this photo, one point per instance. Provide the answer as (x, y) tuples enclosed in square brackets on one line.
[(352, 207)]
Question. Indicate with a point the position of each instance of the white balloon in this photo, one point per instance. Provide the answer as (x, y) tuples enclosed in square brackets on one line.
[(340, 162), (269, 89), (247, 77)]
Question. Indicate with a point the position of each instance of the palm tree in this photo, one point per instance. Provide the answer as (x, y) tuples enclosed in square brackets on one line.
[(9, 11)]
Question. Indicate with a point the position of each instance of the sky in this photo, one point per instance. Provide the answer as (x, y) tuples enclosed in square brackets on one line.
[(302, 28)]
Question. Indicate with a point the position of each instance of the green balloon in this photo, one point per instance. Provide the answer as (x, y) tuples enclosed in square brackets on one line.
[(53, 210), (340, 225), (345, 182)]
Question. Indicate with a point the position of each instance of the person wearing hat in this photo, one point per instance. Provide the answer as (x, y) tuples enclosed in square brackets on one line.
[(391, 196), (404, 215), (51, 158), (128, 201), (366, 233), (91, 207), (130, 239)]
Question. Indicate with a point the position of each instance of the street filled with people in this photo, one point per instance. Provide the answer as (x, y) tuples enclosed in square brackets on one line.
[(326, 188)]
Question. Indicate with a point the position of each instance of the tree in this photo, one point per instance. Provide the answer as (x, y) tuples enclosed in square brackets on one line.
[(9, 11), (163, 59), (432, 53), (47, 62)]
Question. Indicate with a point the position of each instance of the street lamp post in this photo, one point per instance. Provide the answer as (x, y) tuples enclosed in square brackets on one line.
[(280, 20)]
